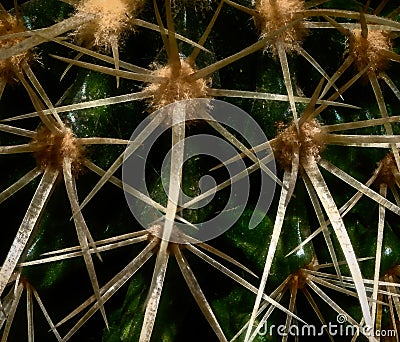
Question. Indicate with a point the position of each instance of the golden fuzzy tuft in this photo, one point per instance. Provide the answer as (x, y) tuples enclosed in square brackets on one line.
[(177, 85), (10, 67), (369, 50), (310, 139), (275, 14), (51, 149), (111, 18), (388, 171)]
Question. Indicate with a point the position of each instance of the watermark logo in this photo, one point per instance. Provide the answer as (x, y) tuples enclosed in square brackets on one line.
[(342, 327), (233, 132)]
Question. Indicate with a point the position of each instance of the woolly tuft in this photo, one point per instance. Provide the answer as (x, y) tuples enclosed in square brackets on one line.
[(111, 18), (388, 172), (275, 14), (51, 149), (310, 140), (177, 85), (10, 67), (369, 50)]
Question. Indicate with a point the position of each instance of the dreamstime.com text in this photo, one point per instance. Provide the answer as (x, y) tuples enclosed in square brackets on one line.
[(339, 328)]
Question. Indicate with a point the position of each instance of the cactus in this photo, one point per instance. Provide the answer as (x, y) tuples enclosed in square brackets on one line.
[(115, 116)]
